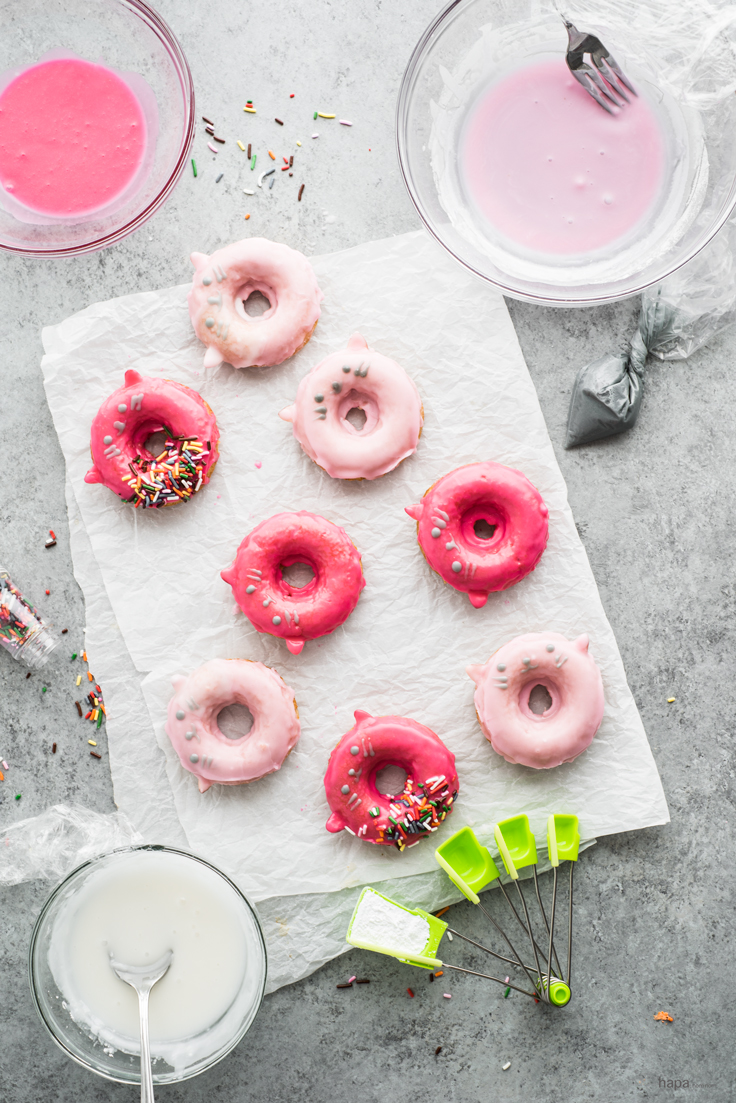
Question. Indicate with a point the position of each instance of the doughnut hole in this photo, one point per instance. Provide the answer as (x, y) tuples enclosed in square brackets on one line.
[(235, 721), (357, 418), (356, 407), (390, 780), (254, 301), (297, 576), (540, 699), (154, 444), (483, 525)]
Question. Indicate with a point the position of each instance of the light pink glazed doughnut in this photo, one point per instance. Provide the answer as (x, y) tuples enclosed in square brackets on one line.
[(224, 281), (133, 413), (357, 377), (429, 793), (270, 603), (573, 681), (192, 726), (479, 498)]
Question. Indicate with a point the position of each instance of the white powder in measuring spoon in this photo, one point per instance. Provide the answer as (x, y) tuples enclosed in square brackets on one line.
[(387, 925)]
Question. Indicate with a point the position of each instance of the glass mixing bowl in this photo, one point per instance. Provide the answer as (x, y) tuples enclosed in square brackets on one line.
[(470, 44), (83, 1046), (129, 37)]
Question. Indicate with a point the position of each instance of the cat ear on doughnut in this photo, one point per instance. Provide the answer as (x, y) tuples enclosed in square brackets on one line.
[(177, 680), (199, 260), (357, 341), (475, 671), (582, 643)]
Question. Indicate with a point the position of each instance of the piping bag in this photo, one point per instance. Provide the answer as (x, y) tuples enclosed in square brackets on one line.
[(677, 317)]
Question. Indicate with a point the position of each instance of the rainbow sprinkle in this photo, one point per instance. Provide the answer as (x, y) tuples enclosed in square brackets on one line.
[(172, 477), (417, 812)]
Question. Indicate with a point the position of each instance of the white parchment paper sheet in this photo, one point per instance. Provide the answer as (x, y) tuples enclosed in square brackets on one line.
[(405, 648)]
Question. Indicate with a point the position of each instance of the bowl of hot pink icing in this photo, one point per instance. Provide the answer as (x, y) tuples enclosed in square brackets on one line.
[(525, 180), (96, 123)]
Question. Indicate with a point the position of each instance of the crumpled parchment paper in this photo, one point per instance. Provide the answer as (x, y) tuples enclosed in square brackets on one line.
[(404, 649)]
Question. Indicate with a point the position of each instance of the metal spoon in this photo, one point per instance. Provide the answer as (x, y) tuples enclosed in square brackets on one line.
[(143, 978)]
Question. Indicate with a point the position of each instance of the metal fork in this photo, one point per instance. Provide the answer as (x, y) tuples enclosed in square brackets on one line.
[(605, 92)]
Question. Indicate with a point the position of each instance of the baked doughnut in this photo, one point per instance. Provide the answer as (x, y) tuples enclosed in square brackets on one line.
[(270, 603), (357, 377), (429, 793), (573, 681), (129, 417), (192, 726), (223, 282), (458, 511)]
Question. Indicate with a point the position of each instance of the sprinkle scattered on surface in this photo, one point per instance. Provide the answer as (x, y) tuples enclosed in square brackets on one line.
[(670, 700), (213, 148), (410, 993), (206, 120), (507, 993), (250, 146), (344, 122), (48, 591), (95, 754), (91, 742), (53, 748), (247, 217), (219, 177), (250, 110), (663, 1017), (438, 1050), (363, 980), (442, 911), (272, 155), (446, 996), (64, 631), (301, 193), (253, 161), (79, 679), (315, 135), (449, 936), (17, 796), (247, 192), (324, 115), (194, 166), (278, 121), (298, 143), (343, 986), (220, 140), (241, 145), (50, 543), (79, 707), (506, 1066)]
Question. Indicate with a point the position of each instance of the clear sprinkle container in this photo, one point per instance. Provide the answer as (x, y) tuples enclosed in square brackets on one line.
[(22, 631)]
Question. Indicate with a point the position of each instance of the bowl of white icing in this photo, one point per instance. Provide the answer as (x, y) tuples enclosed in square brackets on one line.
[(527, 182), (135, 904)]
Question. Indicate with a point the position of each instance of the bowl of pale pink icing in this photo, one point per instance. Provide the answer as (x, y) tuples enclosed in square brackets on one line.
[(527, 182), (96, 122)]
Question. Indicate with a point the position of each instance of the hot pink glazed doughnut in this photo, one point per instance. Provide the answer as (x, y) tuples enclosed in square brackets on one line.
[(572, 680), (192, 727), (270, 603), (125, 421), (357, 377), (472, 498), (224, 281), (350, 781)]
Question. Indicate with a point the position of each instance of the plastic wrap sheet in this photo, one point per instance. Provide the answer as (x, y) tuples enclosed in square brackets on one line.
[(405, 648)]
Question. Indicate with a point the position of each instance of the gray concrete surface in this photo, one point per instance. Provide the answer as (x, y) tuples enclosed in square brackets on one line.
[(656, 512)]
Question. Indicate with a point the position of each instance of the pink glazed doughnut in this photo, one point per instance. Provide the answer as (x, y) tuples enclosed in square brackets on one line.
[(402, 820), (270, 603), (358, 378), (573, 681), (125, 421), (224, 281), (192, 727), (482, 494)]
